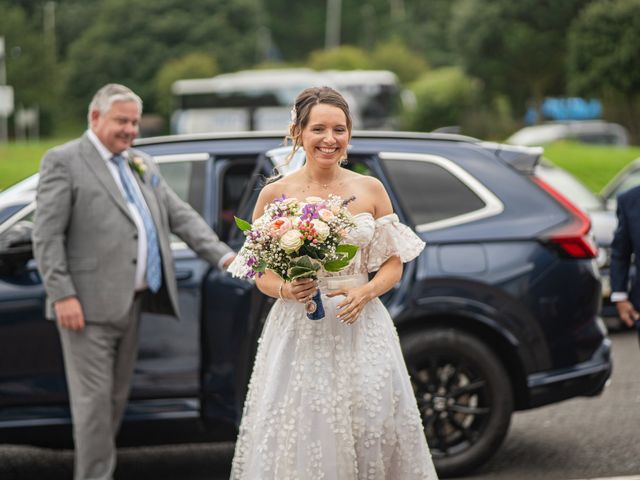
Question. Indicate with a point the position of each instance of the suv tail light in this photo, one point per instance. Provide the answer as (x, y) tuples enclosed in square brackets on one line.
[(572, 239)]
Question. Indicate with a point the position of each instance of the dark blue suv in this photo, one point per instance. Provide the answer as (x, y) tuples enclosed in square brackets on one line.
[(499, 313)]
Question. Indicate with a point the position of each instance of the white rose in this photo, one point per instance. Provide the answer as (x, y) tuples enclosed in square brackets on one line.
[(313, 200), (325, 214), (291, 241), (322, 229)]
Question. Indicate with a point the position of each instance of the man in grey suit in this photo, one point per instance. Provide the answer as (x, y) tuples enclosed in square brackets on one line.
[(101, 241)]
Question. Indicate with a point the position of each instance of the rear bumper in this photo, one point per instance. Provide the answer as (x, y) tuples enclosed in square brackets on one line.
[(584, 379)]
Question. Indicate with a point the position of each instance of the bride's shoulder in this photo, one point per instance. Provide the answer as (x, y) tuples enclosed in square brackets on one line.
[(367, 182), (276, 189)]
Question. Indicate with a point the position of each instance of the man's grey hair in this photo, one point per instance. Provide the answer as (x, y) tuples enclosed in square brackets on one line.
[(110, 93)]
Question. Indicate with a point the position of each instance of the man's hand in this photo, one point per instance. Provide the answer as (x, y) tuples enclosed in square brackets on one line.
[(228, 261), (627, 313), (69, 313)]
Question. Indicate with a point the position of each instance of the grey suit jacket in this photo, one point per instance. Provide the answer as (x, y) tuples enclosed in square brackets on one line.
[(85, 241)]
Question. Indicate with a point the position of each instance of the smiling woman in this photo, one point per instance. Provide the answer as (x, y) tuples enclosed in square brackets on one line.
[(339, 386)]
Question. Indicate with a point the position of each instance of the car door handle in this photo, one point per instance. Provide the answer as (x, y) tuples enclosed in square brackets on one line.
[(184, 274)]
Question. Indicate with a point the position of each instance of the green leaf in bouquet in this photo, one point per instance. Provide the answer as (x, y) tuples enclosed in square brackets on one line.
[(313, 252), (344, 253), (260, 267), (300, 272), (347, 248), (243, 225), (302, 267)]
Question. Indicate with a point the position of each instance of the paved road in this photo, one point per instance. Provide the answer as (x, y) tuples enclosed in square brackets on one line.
[(576, 439), (582, 438)]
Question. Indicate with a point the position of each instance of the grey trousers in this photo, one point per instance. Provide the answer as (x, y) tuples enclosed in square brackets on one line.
[(99, 363)]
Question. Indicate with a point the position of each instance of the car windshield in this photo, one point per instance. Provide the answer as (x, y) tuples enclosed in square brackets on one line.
[(632, 180), (278, 157), (569, 186)]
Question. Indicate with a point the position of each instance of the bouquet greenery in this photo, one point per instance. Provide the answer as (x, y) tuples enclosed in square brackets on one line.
[(295, 239)]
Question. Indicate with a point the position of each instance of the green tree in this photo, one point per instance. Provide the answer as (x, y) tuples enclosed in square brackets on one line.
[(443, 97), (604, 58), (131, 39), (395, 56), (517, 48), (192, 65), (340, 58), (298, 28), (427, 30)]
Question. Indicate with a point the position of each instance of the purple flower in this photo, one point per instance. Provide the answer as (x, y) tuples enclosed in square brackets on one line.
[(252, 260), (309, 211)]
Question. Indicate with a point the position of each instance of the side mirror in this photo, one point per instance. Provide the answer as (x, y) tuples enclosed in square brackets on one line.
[(16, 248)]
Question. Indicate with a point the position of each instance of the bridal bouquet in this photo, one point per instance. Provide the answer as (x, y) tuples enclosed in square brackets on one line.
[(295, 239)]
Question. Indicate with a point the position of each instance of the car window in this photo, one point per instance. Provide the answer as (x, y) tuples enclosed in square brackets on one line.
[(437, 193), (187, 179), (186, 175), (237, 174), (9, 211)]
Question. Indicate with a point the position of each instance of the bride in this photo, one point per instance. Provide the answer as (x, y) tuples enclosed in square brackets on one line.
[(331, 399)]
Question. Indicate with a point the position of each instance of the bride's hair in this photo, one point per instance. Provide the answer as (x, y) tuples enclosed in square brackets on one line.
[(301, 112)]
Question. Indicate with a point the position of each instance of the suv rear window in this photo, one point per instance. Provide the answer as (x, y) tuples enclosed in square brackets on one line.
[(429, 192)]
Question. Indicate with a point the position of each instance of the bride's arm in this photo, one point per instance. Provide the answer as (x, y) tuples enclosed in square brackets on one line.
[(356, 298), (272, 285), (390, 271)]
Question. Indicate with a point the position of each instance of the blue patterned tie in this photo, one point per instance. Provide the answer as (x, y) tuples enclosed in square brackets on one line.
[(154, 264)]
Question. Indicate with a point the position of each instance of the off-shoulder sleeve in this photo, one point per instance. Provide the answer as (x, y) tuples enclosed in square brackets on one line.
[(392, 238)]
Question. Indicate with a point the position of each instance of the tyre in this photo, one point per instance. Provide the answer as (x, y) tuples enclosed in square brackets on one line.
[(464, 396)]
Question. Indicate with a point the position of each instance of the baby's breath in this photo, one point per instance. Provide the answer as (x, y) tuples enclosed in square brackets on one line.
[(290, 228)]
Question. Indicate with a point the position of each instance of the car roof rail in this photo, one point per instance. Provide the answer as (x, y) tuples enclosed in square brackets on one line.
[(524, 159), (373, 134)]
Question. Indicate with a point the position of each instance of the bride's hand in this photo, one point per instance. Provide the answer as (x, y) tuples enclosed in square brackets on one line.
[(303, 289), (355, 299)]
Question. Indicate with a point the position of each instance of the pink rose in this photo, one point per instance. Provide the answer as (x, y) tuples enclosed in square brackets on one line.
[(279, 227)]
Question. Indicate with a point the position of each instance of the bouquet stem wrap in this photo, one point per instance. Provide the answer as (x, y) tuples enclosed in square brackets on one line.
[(314, 307)]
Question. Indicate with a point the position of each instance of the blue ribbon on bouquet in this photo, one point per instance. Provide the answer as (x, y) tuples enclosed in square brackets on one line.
[(314, 307)]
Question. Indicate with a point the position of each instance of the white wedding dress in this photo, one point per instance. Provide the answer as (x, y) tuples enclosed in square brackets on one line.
[(333, 401)]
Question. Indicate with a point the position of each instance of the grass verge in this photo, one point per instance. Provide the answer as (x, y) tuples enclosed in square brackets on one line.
[(18, 160), (595, 165)]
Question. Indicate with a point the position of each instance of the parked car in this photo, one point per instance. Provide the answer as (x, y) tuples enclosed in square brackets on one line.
[(17, 197), (499, 312), (585, 131), (603, 225), (625, 179)]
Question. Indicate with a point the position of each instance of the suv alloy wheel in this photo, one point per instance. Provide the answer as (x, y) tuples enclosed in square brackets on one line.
[(464, 395)]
